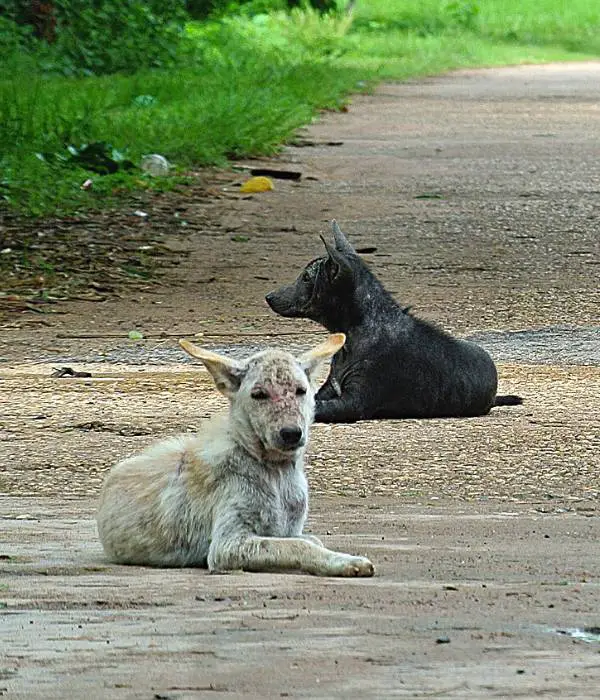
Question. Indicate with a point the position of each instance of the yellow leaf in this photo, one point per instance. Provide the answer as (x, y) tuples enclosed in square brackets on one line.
[(257, 184)]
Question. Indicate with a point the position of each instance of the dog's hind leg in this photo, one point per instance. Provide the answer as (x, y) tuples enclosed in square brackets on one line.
[(255, 553)]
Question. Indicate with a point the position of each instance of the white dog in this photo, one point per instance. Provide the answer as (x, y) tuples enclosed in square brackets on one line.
[(235, 495)]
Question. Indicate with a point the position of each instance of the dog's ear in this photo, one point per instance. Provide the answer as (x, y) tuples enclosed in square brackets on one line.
[(226, 372), (341, 242), (341, 266), (312, 360)]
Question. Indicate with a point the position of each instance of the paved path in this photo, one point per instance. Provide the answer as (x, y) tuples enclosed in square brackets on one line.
[(480, 191)]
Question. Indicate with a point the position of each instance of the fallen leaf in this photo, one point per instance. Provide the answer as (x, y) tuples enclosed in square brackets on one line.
[(257, 184), (429, 195)]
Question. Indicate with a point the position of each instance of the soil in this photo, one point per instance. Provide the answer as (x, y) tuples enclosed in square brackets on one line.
[(479, 192)]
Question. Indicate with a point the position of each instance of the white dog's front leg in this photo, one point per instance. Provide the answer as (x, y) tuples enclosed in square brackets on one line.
[(255, 553), (311, 538)]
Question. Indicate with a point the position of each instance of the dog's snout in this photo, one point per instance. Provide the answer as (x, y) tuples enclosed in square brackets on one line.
[(291, 436), (273, 300), (284, 301)]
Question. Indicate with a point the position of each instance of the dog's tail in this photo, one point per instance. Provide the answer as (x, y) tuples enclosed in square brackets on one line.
[(508, 400)]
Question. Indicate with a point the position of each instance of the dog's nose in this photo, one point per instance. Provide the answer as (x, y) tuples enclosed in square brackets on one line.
[(291, 436), (268, 298)]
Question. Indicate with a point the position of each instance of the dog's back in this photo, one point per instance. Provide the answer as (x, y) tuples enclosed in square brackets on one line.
[(420, 371), (156, 508)]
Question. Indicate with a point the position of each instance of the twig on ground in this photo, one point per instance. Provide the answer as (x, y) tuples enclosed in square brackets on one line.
[(164, 334)]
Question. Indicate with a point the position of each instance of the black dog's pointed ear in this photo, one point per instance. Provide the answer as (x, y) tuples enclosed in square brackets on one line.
[(332, 252), (341, 242), (341, 266)]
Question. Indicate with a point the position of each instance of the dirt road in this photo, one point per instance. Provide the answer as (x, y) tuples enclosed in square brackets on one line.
[(479, 191)]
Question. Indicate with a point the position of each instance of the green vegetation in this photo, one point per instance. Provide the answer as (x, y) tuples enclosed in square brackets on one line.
[(572, 26), (76, 37), (431, 35), (236, 85)]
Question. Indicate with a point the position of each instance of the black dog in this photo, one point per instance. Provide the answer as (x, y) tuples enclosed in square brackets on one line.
[(393, 365)]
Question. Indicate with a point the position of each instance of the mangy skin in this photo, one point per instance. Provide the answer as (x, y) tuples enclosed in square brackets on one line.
[(393, 365), (235, 495)]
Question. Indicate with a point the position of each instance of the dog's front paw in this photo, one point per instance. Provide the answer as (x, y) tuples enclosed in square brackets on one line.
[(349, 566)]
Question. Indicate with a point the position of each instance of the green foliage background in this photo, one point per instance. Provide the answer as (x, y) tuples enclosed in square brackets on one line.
[(134, 77), (79, 37)]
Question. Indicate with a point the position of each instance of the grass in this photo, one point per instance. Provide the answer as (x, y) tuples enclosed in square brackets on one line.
[(244, 85), (404, 38), (233, 96), (570, 27)]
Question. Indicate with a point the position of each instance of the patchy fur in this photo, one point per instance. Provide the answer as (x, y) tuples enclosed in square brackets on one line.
[(393, 364), (234, 496)]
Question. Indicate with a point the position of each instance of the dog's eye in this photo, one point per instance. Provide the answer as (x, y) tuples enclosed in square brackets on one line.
[(300, 391), (259, 394), (306, 277)]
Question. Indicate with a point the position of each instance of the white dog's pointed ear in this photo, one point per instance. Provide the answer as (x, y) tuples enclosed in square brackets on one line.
[(341, 242), (313, 359), (226, 372)]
